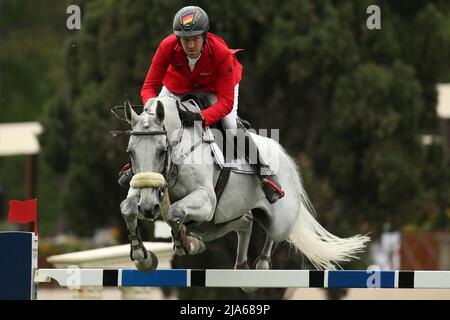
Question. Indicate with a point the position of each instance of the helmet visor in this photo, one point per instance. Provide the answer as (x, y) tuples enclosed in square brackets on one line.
[(181, 33)]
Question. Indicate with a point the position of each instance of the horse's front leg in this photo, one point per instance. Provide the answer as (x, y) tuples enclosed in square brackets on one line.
[(196, 206), (144, 260)]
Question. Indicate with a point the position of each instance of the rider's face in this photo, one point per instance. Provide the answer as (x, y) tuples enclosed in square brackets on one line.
[(192, 46)]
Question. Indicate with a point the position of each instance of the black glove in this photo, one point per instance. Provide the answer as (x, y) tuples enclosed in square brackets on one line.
[(188, 117)]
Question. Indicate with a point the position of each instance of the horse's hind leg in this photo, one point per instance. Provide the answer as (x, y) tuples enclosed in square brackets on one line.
[(243, 228), (144, 260), (264, 260), (244, 235)]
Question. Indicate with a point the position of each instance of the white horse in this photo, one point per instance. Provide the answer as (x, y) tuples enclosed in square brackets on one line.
[(156, 141)]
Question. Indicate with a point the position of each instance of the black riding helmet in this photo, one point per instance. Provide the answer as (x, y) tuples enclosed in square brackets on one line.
[(190, 21)]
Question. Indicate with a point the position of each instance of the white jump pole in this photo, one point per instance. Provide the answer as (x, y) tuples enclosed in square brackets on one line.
[(19, 275)]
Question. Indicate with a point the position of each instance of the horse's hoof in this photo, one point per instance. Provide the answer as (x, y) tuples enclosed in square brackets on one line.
[(178, 250), (148, 264), (248, 290), (263, 263), (244, 266), (196, 245), (184, 243)]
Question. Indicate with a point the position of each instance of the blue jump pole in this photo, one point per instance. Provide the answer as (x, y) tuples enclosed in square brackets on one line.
[(18, 262)]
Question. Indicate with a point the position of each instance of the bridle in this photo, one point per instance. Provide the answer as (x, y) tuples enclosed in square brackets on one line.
[(169, 164)]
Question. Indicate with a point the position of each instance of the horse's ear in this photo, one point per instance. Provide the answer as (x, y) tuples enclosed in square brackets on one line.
[(130, 115), (160, 114)]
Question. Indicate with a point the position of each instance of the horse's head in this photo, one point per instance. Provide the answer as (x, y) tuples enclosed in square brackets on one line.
[(148, 148)]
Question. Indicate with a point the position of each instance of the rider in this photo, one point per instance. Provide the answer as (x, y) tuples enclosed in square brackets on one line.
[(192, 60)]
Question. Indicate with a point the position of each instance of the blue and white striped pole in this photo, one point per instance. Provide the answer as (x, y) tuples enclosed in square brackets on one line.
[(246, 278)]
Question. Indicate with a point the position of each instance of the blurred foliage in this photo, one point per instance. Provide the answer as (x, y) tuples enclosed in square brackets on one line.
[(31, 37), (351, 104)]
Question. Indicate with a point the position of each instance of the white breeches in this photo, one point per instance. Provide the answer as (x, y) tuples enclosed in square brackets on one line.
[(229, 121)]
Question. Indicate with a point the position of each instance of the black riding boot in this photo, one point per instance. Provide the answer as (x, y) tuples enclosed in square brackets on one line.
[(269, 181), (125, 176)]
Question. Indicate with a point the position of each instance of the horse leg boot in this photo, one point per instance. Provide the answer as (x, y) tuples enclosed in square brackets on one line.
[(264, 261), (197, 206), (144, 260), (269, 181)]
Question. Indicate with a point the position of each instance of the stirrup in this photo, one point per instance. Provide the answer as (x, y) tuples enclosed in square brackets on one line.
[(125, 168), (125, 177)]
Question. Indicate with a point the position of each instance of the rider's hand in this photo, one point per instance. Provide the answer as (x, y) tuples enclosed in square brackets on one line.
[(188, 117)]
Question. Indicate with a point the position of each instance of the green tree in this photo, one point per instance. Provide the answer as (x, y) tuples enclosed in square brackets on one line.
[(101, 71), (30, 55), (374, 148)]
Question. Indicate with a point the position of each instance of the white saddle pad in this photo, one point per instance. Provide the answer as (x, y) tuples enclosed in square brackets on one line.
[(237, 165)]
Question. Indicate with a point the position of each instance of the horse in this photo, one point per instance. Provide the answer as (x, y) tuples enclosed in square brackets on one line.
[(188, 203)]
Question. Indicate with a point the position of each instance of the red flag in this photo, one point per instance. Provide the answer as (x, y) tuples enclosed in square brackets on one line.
[(23, 212)]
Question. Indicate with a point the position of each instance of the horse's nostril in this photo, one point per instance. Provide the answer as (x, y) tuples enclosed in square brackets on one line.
[(145, 211), (149, 212)]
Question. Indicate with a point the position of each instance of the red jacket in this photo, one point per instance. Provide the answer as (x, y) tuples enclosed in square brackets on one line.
[(217, 71)]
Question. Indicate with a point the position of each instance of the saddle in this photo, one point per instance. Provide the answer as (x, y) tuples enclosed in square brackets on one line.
[(218, 142), (237, 163)]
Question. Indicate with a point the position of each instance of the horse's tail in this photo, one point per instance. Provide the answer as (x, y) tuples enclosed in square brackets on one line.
[(323, 249)]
